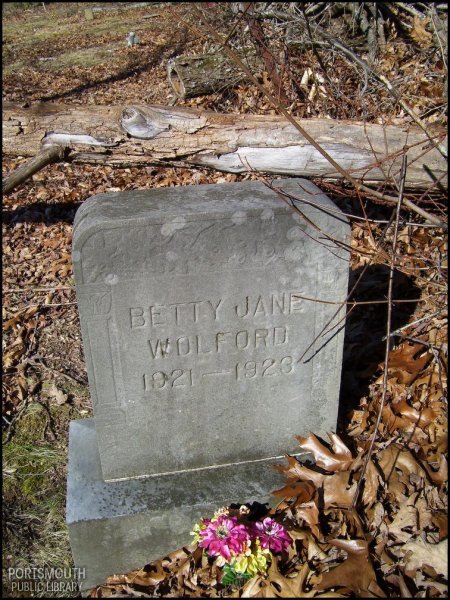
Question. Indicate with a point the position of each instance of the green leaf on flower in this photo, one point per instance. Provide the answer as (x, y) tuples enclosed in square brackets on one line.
[(231, 577)]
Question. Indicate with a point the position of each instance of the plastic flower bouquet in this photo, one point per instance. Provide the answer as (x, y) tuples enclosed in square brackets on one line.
[(243, 548)]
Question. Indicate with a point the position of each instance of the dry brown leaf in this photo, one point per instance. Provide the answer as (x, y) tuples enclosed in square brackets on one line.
[(315, 552), (208, 575), (119, 579), (405, 518), (418, 553), (136, 593), (287, 587), (20, 317), (337, 492), (328, 595), (303, 491), (252, 588), (265, 592), (352, 547), (390, 423), (421, 419), (372, 482), (355, 573), (399, 457), (441, 475), (419, 34), (151, 574), (358, 423), (404, 589), (376, 516), (402, 364), (338, 446), (338, 460), (295, 470), (440, 521), (14, 352), (106, 591), (309, 513)]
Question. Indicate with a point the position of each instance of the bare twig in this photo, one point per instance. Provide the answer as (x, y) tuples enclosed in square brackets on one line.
[(314, 47), (18, 414), (314, 8), (287, 198), (359, 302), (440, 36), (257, 33), (351, 217), (235, 26), (419, 341), (344, 303), (358, 185), (31, 289), (388, 337), (391, 89), (408, 325), (396, 94), (381, 78), (38, 362), (410, 10), (58, 304)]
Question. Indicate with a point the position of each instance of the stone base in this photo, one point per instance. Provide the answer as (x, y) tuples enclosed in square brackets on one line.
[(118, 526)]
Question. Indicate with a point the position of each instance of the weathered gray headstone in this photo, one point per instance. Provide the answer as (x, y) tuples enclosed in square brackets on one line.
[(198, 307)]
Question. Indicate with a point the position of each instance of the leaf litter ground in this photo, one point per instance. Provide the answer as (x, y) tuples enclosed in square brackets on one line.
[(393, 542)]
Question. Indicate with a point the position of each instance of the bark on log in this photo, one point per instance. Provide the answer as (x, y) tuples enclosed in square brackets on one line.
[(192, 76), (144, 135)]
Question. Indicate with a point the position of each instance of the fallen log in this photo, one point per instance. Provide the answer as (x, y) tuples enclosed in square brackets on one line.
[(157, 135), (192, 76)]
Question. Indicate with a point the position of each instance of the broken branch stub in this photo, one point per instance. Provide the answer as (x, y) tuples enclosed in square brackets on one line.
[(49, 154)]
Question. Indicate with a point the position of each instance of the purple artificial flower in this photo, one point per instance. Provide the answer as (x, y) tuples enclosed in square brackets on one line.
[(225, 536), (272, 535)]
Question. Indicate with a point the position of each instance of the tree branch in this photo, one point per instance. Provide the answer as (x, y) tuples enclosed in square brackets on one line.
[(388, 335), (48, 154)]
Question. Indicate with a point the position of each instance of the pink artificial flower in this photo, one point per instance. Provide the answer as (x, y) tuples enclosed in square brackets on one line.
[(272, 535), (225, 536)]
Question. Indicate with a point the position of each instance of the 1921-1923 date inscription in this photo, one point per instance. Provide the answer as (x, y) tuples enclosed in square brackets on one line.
[(248, 370)]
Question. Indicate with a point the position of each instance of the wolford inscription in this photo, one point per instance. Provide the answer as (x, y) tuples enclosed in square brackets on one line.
[(195, 322), (240, 340)]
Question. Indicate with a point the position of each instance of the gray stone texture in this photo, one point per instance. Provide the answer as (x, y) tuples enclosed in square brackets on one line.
[(123, 525), (194, 321)]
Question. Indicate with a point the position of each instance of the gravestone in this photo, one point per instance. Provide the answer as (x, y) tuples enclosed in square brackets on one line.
[(202, 311)]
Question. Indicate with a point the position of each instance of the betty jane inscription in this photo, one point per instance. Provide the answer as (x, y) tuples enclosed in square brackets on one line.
[(193, 311), (195, 306)]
